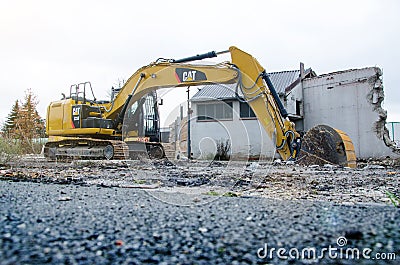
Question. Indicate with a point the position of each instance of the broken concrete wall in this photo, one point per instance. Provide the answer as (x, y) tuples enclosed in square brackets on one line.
[(351, 101)]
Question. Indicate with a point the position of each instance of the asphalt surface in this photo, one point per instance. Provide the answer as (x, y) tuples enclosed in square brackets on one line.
[(78, 224)]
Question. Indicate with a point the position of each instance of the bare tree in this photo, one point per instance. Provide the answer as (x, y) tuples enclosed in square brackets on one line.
[(24, 122)]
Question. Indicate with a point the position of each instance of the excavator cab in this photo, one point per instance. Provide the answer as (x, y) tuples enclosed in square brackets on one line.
[(142, 119), (141, 129)]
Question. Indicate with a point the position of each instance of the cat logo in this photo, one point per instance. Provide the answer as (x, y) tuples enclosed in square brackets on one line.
[(76, 116), (76, 111), (189, 75)]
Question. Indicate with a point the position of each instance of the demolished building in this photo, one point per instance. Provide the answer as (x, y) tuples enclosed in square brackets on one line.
[(349, 100)]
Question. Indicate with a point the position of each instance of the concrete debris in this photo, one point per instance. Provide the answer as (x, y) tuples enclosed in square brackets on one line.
[(252, 166), (65, 198), (290, 163), (373, 167), (329, 166), (367, 184)]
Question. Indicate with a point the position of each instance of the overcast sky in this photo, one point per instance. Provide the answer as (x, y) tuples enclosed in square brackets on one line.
[(49, 45)]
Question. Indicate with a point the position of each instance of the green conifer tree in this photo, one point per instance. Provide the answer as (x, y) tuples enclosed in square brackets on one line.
[(9, 126)]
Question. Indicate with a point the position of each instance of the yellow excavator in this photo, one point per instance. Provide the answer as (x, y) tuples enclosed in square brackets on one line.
[(79, 127)]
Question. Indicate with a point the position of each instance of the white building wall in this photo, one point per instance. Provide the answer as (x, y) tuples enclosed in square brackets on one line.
[(296, 94), (350, 101), (246, 136)]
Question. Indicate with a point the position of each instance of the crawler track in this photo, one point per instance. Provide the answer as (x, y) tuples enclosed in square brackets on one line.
[(86, 148)]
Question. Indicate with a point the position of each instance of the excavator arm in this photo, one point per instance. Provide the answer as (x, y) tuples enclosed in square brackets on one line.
[(244, 70)]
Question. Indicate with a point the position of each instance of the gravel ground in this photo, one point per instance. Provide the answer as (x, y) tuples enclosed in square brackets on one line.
[(125, 212), (72, 224)]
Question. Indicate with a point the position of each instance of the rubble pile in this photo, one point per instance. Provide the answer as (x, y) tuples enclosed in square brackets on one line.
[(369, 183)]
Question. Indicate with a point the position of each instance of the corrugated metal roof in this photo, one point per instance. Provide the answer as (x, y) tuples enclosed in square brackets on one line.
[(215, 92), (280, 80)]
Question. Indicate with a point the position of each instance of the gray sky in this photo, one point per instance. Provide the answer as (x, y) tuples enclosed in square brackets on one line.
[(49, 45)]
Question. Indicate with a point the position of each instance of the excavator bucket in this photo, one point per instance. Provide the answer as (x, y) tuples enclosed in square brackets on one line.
[(323, 144)]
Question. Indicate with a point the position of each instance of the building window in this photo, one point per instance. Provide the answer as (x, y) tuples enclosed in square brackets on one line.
[(214, 111), (298, 107), (246, 111)]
